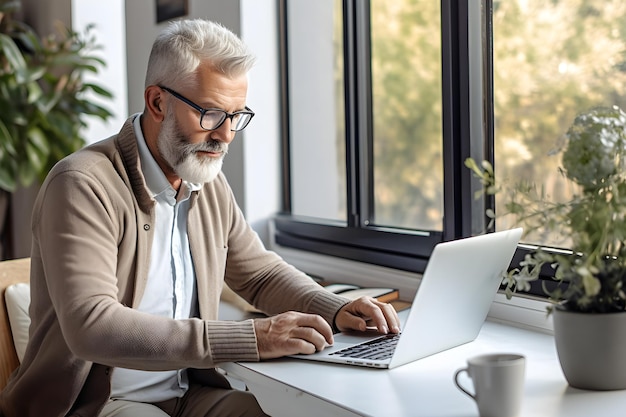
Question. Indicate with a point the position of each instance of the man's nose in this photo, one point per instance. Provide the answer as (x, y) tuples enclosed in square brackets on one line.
[(223, 133)]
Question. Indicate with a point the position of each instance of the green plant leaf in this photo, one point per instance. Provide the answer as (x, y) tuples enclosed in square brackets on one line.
[(34, 92), (47, 102), (42, 104), (7, 141), (98, 90), (34, 74), (7, 180), (591, 223), (38, 139), (14, 57), (28, 38), (95, 110), (25, 175), (36, 156), (73, 61)]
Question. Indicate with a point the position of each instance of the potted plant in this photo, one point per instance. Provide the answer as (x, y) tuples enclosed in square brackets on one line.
[(43, 100), (589, 302)]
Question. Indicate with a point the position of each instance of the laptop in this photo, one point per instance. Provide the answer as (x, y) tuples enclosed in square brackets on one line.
[(450, 306)]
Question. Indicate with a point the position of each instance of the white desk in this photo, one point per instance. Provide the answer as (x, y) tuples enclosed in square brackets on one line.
[(289, 387)]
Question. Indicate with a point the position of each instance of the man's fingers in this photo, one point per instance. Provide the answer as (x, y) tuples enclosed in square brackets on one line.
[(316, 323), (311, 337), (391, 317), (364, 311), (291, 333)]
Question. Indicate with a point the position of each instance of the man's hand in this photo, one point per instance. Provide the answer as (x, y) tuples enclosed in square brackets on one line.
[(367, 312), (291, 333)]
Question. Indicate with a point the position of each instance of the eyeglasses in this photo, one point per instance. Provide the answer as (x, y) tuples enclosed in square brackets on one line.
[(212, 119)]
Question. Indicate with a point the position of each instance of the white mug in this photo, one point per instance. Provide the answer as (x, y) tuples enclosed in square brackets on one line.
[(498, 381)]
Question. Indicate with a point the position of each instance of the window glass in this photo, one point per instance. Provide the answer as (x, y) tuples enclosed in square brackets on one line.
[(406, 114), (551, 61), (316, 109)]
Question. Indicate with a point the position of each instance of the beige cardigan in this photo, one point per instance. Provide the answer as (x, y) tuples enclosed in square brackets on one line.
[(92, 232)]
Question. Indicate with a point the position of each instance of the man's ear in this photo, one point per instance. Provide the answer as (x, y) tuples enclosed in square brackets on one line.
[(155, 103)]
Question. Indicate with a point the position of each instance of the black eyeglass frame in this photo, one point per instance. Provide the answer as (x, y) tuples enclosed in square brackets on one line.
[(203, 111)]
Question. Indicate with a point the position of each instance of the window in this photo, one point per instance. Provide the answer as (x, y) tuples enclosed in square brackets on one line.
[(407, 163), (317, 110), (551, 61), (384, 100), (368, 116)]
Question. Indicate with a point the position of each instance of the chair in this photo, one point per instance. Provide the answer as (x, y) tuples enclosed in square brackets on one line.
[(11, 272)]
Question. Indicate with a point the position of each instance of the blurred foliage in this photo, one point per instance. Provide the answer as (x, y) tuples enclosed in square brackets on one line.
[(552, 60), (593, 220), (407, 119), (42, 97)]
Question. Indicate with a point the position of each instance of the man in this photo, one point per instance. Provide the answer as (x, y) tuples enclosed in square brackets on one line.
[(133, 240)]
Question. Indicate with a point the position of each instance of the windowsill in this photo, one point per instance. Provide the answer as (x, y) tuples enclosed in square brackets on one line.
[(525, 312)]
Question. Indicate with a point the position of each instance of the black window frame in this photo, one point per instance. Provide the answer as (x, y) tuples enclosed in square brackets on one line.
[(356, 239)]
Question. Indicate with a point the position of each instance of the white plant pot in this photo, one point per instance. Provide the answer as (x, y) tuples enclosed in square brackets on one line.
[(591, 349)]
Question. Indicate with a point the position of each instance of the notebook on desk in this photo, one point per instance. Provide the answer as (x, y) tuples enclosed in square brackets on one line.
[(449, 308)]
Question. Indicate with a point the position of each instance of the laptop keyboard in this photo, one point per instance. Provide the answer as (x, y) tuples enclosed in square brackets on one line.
[(377, 349)]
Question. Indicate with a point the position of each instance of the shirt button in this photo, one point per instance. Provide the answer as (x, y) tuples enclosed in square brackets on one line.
[(146, 227)]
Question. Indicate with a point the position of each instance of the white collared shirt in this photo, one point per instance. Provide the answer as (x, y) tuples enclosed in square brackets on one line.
[(171, 287)]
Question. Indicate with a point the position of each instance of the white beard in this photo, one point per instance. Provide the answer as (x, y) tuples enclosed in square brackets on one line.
[(194, 170), (181, 155)]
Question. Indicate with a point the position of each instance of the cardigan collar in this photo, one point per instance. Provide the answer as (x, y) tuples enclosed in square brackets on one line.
[(127, 144)]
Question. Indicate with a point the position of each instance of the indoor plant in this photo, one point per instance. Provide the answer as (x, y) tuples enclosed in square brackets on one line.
[(43, 101), (591, 295)]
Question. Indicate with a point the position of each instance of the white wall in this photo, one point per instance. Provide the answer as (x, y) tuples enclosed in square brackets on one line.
[(261, 139), (110, 33), (317, 185)]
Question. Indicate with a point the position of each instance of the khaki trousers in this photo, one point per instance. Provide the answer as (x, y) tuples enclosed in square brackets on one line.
[(199, 401)]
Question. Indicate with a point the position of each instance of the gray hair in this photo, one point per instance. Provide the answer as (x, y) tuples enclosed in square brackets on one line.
[(181, 47)]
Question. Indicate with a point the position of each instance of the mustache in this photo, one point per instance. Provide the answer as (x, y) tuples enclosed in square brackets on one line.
[(210, 146)]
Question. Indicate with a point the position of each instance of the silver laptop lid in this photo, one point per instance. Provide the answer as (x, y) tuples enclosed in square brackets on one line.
[(459, 284)]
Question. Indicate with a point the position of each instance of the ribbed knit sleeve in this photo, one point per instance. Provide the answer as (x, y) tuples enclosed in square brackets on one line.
[(327, 305), (232, 341)]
